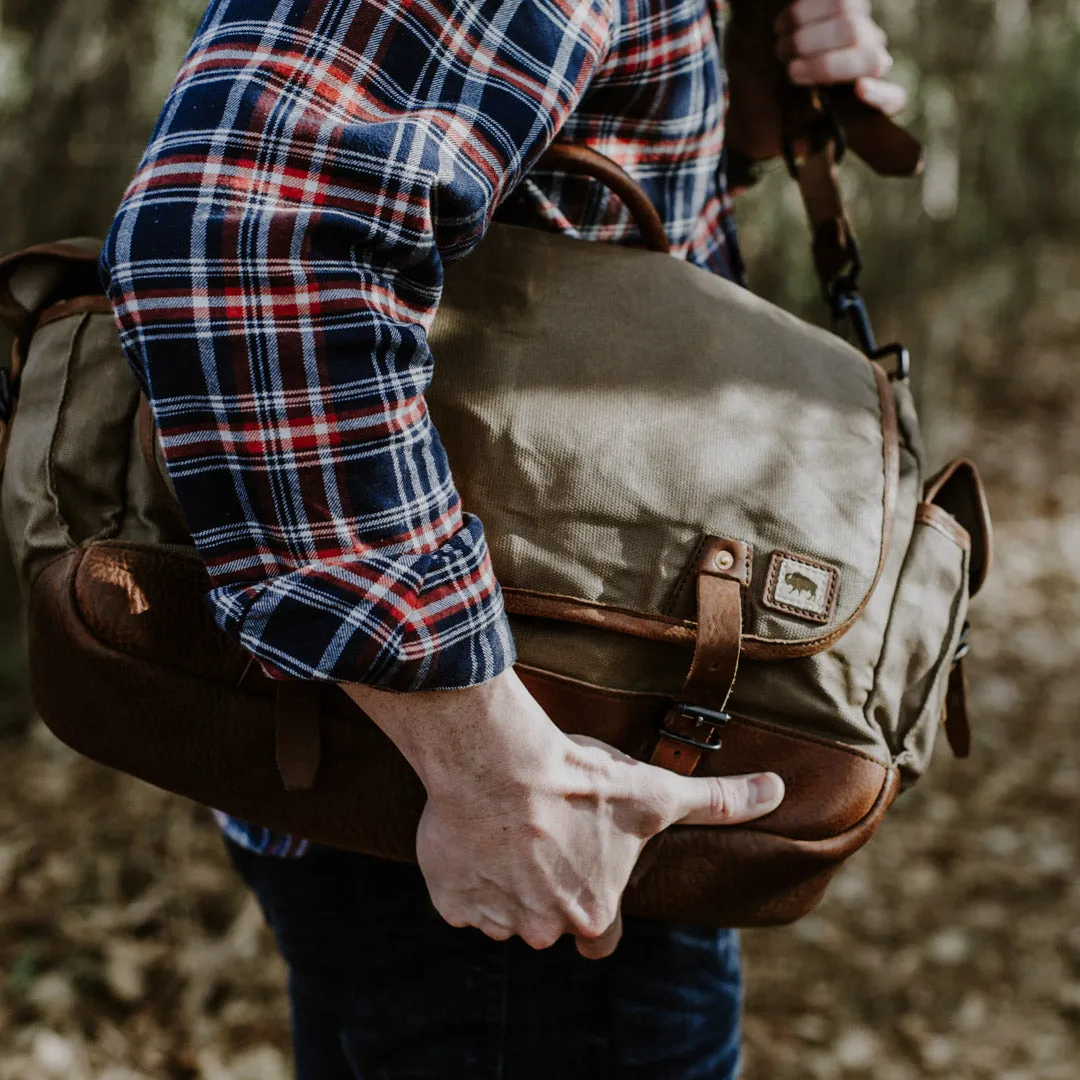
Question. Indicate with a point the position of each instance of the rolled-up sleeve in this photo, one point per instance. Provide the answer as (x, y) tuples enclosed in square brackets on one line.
[(275, 266)]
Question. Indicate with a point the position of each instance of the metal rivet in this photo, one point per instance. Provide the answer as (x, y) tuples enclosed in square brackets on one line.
[(724, 560)]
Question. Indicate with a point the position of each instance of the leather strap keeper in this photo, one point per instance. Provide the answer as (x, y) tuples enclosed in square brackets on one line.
[(298, 743), (722, 568)]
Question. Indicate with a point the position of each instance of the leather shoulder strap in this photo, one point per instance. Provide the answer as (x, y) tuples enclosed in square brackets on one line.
[(811, 128)]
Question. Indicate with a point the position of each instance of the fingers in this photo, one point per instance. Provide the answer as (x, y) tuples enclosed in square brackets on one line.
[(831, 35), (604, 944), (493, 929), (728, 800), (804, 12), (887, 97), (831, 41), (841, 66)]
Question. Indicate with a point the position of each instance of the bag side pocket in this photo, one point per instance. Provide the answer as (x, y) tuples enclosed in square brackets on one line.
[(923, 634)]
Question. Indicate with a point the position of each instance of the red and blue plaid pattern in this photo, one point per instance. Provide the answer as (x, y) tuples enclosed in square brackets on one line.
[(277, 261)]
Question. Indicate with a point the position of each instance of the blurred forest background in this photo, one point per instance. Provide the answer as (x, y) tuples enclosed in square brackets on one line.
[(951, 946)]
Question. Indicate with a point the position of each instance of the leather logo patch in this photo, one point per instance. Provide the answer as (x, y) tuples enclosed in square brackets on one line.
[(801, 586)]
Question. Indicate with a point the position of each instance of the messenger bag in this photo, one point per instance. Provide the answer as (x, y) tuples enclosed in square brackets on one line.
[(717, 538)]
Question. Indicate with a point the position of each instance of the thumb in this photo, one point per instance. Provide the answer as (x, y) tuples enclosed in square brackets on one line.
[(729, 800), (886, 97)]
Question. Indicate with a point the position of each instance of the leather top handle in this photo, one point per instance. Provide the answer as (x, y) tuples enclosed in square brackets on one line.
[(584, 161)]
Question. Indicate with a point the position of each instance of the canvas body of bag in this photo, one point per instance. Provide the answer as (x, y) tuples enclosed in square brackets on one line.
[(717, 542)]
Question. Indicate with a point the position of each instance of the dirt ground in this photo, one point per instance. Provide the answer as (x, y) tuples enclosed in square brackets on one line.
[(950, 947)]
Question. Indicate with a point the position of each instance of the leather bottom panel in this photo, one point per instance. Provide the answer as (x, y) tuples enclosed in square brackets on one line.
[(128, 669)]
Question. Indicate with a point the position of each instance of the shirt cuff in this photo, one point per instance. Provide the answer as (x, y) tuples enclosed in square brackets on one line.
[(398, 621)]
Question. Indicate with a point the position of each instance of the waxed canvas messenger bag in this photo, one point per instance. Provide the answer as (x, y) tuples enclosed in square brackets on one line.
[(713, 524)]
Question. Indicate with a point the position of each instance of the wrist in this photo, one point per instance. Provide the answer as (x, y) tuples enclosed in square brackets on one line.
[(463, 742)]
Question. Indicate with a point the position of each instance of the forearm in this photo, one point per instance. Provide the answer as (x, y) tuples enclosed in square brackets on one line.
[(274, 270)]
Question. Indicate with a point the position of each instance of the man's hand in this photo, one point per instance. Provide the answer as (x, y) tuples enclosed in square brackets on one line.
[(533, 833), (824, 42), (818, 42)]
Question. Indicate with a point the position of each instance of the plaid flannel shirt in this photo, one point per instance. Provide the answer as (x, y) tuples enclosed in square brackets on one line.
[(277, 261)]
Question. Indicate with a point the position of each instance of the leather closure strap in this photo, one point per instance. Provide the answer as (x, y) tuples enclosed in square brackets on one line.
[(956, 720), (723, 571), (298, 743)]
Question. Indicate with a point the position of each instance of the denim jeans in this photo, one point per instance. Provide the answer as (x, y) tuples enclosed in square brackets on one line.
[(382, 989)]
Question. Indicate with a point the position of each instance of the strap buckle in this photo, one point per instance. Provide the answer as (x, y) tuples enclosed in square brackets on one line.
[(850, 314), (700, 728)]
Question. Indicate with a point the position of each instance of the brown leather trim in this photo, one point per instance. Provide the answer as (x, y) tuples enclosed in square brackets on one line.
[(958, 489), (12, 314), (716, 649), (56, 249), (79, 305), (677, 755), (766, 880), (151, 690), (932, 515), (662, 628), (722, 570)]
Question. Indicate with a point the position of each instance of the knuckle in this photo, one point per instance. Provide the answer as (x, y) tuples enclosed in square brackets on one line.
[(540, 936), (799, 71), (494, 930), (449, 910), (720, 801), (851, 31), (591, 926)]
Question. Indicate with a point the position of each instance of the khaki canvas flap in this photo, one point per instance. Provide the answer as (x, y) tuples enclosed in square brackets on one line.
[(605, 408)]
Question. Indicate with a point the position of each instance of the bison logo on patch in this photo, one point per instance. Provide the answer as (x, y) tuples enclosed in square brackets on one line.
[(801, 586), (800, 583)]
